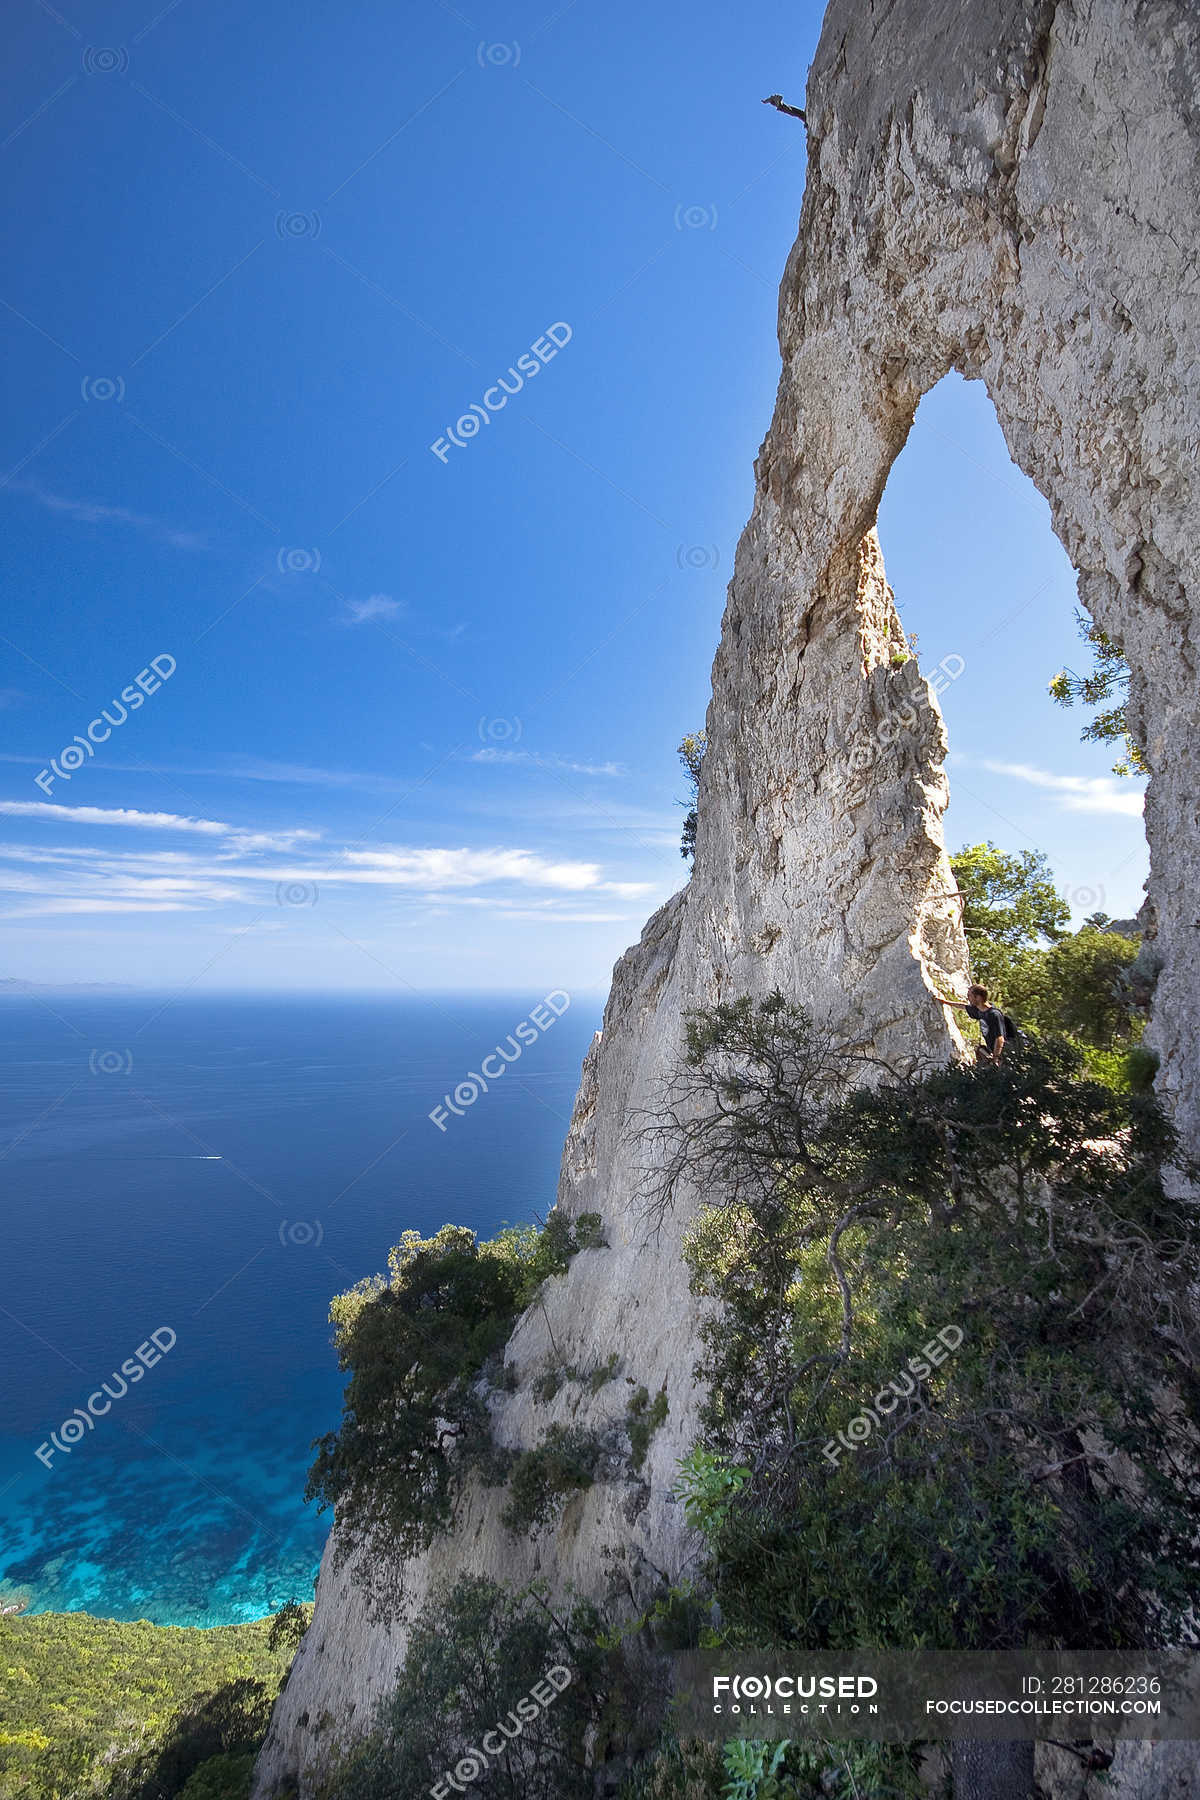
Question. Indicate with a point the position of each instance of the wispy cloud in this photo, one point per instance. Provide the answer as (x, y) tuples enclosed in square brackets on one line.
[(246, 867), (106, 815), (469, 868), (240, 842), (535, 759), (1079, 793), (98, 512), (375, 606), (49, 906)]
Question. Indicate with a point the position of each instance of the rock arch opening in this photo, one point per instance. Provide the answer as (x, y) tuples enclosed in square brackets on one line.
[(989, 595)]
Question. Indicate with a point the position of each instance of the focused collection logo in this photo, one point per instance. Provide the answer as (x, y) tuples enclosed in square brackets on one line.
[(788, 1693)]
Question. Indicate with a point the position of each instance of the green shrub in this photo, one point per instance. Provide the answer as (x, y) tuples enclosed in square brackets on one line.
[(708, 1485), (1092, 986), (1141, 1066), (689, 1770), (789, 1770), (414, 1344), (230, 1722), (691, 755), (1107, 680), (589, 1232), (547, 1385), (543, 1478), (643, 1418), (1038, 1485), (224, 1777), (475, 1658), (288, 1626)]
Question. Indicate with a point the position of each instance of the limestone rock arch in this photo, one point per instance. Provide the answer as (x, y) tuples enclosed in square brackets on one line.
[(1005, 187)]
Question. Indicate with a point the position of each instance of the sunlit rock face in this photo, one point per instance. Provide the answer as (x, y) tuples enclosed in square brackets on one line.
[(1011, 190)]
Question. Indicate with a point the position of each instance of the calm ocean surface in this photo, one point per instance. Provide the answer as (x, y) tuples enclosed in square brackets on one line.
[(220, 1170)]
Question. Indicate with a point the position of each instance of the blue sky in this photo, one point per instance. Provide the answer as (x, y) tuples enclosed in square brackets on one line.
[(420, 730)]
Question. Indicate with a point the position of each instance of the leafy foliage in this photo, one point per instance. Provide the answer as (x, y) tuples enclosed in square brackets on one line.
[(1039, 1488), (1009, 904), (224, 1777), (1082, 987), (708, 1485), (1108, 680), (689, 1770), (691, 755), (643, 1418), (91, 1706), (1091, 986), (752, 1769), (564, 1463), (746, 1769), (288, 1626), (475, 1656), (589, 1232), (415, 1344), (225, 1727)]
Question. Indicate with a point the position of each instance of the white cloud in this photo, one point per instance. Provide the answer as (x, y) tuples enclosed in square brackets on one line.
[(535, 759), (50, 907), (375, 606), (102, 815), (245, 843), (1079, 793), (239, 866), (239, 842), (467, 868), (97, 512)]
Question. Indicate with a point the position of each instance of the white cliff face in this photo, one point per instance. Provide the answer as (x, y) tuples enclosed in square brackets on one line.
[(1005, 187)]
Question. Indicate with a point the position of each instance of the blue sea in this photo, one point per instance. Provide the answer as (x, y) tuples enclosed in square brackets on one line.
[(211, 1170)]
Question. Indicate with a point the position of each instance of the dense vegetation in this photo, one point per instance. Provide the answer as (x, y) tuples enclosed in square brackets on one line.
[(497, 1678), (1091, 986), (1034, 1486), (93, 1709), (420, 1345), (951, 1374)]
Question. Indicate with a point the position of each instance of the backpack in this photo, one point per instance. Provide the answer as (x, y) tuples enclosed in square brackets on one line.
[(1012, 1033)]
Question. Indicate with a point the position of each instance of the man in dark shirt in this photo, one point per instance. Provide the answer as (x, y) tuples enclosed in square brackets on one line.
[(990, 1020)]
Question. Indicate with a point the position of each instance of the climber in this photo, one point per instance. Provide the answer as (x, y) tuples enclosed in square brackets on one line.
[(781, 105), (996, 1026)]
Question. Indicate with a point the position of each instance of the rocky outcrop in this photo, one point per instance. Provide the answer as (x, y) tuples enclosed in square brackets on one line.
[(1004, 187)]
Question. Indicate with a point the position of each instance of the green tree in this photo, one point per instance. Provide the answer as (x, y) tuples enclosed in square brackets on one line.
[(288, 1626), (1035, 1487), (92, 1706), (225, 1777), (1088, 986), (227, 1725), (414, 1344), (691, 755), (478, 1659), (1081, 987), (1108, 680), (1009, 905)]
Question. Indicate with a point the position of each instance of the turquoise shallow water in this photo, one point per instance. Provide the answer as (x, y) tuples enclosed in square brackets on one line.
[(217, 1172)]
